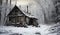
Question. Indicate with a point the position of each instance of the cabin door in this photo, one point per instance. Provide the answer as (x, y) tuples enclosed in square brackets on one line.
[(31, 22)]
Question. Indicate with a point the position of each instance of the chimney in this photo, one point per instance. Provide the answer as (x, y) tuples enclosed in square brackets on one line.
[(27, 9)]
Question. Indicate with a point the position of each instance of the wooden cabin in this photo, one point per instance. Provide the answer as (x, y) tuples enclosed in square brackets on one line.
[(18, 18)]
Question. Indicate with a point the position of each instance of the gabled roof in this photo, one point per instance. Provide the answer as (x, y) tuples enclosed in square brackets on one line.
[(26, 14), (14, 8)]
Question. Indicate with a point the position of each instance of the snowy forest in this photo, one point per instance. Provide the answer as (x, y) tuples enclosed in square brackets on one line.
[(29, 17)]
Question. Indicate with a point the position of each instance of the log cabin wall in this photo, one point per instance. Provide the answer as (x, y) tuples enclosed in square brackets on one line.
[(27, 20)]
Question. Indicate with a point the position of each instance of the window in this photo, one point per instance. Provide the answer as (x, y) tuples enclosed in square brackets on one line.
[(0, 2)]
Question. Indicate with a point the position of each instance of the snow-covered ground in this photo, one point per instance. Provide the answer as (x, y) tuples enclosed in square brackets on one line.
[(10, 30)]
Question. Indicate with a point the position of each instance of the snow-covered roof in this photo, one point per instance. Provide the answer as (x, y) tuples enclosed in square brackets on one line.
[(25, 13), (29, 15)]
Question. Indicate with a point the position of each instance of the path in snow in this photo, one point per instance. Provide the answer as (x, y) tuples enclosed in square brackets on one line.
[(43, 30)]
